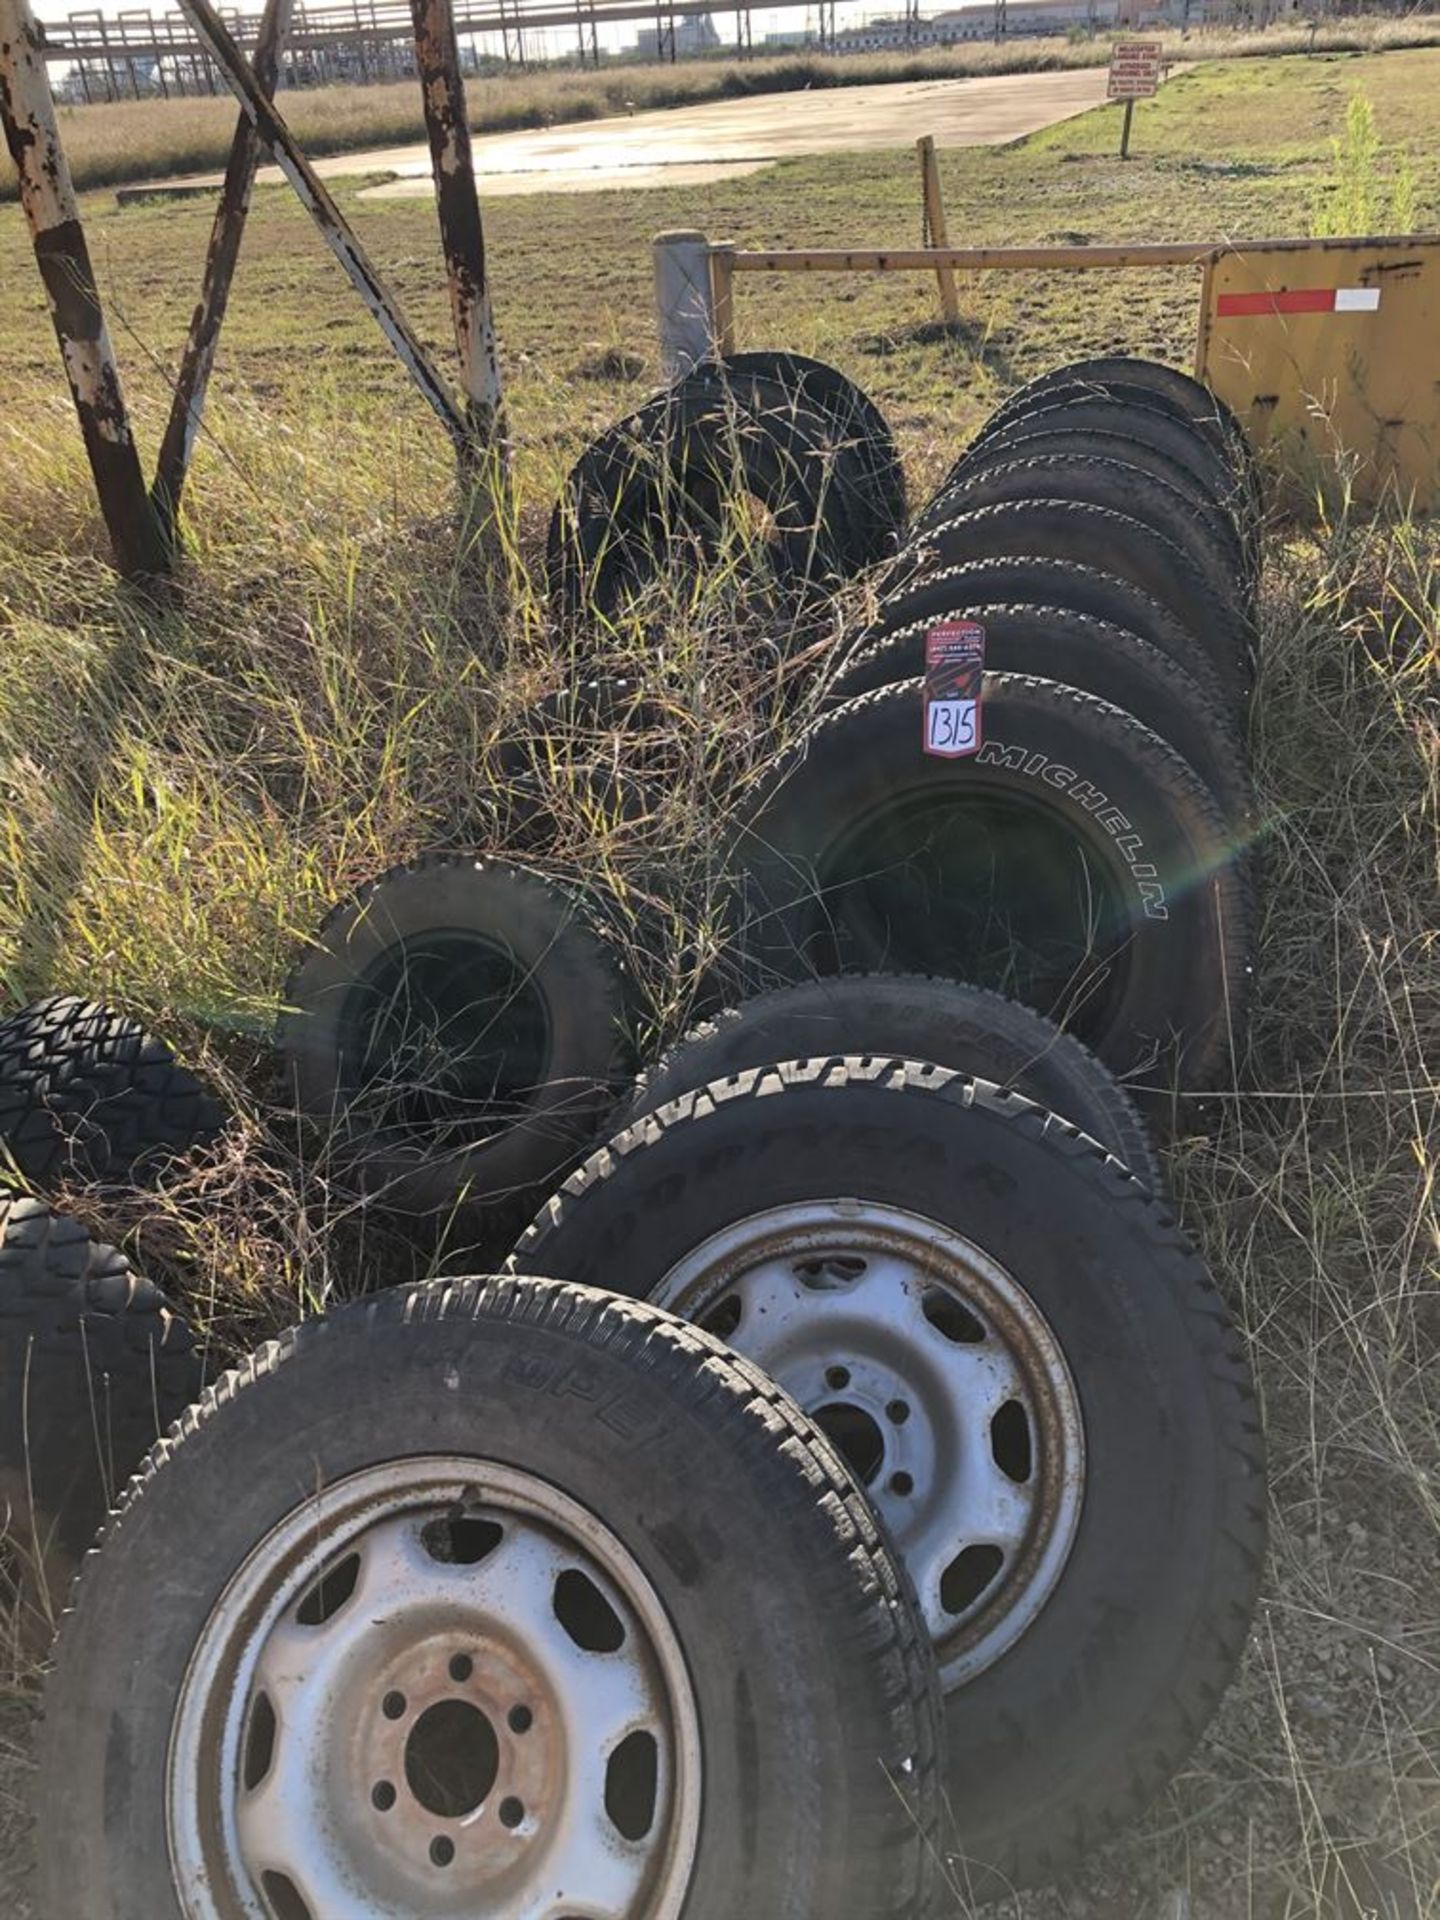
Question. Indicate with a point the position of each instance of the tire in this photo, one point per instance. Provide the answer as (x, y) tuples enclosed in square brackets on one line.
[(845, 403), (1032, 437), (1153, 382), (751, 1616), (650, 499), (87, 1095), (906, 1016), (1101, 483), (1035, 581), (1099, 1682), (1098, 537), (1074, 838), (1052, 643), (515, 1112), (606, 743), (94, 1364)]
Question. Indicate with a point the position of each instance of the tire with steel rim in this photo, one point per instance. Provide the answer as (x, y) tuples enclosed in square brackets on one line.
[(1027, 1365), (946, 1022), (476, 1640), (457, 1028)]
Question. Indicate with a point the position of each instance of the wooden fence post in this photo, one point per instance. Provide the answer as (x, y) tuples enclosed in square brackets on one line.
[(936, 233)]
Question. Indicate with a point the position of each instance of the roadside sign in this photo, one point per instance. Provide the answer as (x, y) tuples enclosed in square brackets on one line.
[(1134, 69)]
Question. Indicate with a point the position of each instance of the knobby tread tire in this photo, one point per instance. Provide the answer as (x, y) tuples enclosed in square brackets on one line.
[(1028, 1794), (94, 1363), (87, 1094), (863, 1604)]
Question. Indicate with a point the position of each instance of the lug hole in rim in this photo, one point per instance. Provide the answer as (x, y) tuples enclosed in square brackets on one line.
[(442, 1850), (393, 1706), (521, 1719), (837, 1378), (512, 1812), (898, 1412), (461, 1668), (382, 1796), (902, 1483)]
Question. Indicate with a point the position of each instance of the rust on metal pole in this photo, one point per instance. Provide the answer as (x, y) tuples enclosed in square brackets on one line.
[(187, 405), (334, 228), (437, 60), (48, 196)]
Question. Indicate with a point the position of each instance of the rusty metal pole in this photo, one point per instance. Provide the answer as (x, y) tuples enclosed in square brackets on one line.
[(333, 226), (47, 193), (187, 405), (437, 59)]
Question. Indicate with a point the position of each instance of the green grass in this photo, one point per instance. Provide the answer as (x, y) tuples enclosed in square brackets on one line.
[(183, 791), (129, 140)]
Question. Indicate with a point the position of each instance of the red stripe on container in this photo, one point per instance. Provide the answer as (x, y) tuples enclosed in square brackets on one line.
[(1296, 300)]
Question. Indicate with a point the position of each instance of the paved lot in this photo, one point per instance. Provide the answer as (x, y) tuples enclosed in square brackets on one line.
[(684, 145)]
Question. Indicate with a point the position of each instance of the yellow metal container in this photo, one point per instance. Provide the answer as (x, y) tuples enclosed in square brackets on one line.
[(1329, 351)]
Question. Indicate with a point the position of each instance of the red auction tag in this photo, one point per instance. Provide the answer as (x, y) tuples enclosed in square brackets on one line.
[(954, 669)]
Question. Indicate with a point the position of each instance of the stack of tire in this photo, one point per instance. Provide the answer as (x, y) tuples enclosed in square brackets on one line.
[(1088, 856), (767, 465), (854, 1433), (95, 1363)]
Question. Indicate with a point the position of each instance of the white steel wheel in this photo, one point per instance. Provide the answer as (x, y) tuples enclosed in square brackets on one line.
[(441, 1687), (938, 1379)]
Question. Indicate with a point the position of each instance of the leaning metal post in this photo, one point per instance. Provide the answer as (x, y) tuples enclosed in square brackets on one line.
[(187, 405), (437, 60), (48, 196), (334, 228)]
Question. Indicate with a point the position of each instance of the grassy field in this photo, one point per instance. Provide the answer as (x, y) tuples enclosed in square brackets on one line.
[(130, 140), (183, 791)]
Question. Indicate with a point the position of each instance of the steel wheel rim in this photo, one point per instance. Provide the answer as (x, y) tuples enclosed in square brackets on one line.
[(488, 1714), (907, 1343)]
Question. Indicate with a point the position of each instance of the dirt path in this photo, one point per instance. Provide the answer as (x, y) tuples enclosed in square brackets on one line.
[(685, 145)]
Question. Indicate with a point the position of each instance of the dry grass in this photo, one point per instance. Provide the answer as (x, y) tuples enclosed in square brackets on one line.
[(182, 792), (127, 140)]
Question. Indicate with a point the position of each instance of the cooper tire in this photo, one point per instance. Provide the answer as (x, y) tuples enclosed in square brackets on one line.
[(94, 1364), (1079, 1720), (1035, 581), (458, 1029), (531, 1449), (1085, 871), (906, 1016), (1052, 643), (86, 1094), (1098, 537)]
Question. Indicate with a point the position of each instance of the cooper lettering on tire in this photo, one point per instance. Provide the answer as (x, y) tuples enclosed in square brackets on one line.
[(1075, 863), (477, 1639), (1025, 1363), (458, 1029)]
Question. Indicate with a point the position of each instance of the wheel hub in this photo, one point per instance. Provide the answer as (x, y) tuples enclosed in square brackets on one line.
[(442, 1688), (936, 1377)]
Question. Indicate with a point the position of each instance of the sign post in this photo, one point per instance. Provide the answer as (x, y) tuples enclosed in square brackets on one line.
[(1134, 75)]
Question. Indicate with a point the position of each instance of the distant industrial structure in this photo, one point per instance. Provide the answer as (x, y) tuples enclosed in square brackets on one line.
[(138, 54)]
